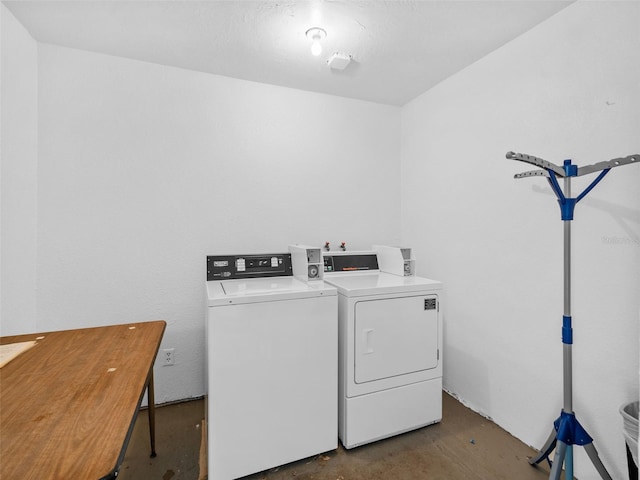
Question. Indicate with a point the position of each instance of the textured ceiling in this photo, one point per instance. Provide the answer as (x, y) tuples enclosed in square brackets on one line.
[(399, 48)]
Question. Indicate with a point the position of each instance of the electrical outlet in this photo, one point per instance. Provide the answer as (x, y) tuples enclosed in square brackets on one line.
[(168, 358)]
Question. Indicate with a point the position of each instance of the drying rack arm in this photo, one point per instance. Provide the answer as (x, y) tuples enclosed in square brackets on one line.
[(616, 162), (538, 162), (532, 173)]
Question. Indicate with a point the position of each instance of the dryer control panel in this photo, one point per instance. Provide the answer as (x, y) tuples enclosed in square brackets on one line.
[(227, 267), (350, 262)]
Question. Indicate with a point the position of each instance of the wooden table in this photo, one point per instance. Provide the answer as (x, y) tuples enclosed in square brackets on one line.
[(68, 404)]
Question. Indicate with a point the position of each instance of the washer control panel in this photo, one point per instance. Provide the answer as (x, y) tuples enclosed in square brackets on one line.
[(227, 267)]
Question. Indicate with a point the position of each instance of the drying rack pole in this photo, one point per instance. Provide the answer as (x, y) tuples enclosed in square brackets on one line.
[(566, 430)]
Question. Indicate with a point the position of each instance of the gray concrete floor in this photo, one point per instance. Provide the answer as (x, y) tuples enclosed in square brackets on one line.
[(464, 446)]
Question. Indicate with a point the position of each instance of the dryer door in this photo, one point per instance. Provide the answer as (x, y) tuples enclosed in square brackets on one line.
[(395, 336)]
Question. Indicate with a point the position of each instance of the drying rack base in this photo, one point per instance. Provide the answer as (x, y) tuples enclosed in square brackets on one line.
[(567, 432)]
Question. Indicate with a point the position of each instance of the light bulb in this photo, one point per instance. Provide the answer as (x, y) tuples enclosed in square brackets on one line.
[(316, 48), (316, 35)]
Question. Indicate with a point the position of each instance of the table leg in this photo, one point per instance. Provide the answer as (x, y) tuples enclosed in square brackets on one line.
[(152, 413)]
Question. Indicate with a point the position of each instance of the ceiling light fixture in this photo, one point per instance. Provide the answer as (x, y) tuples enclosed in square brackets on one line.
[(316, 35)]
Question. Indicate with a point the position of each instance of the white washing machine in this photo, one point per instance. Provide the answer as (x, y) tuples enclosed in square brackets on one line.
[(390, 348), (271, 365)]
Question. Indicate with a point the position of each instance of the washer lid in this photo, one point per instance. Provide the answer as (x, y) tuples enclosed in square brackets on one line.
[(261, 286), (379, 284), (253, 290)]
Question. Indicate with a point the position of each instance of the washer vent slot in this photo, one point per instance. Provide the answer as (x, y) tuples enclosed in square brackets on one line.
[(430, 304)]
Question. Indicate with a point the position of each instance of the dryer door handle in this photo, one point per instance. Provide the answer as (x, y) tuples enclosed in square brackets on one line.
[(367, 335)]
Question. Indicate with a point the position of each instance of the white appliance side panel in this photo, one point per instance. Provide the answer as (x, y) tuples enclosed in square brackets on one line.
[(272, 379), (344, 354), (390, 412), (395, 336)]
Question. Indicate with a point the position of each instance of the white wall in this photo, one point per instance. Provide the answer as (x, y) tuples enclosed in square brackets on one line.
[(146, 169), (18, 179), (567, 89)]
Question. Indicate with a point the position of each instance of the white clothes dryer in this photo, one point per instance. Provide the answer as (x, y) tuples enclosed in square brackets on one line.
[(389, 351), (271, 365)]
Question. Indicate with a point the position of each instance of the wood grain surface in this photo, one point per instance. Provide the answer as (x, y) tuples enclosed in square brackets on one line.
[(67, 405)]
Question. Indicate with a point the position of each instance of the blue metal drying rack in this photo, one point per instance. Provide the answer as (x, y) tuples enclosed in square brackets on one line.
[(567, 431)]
